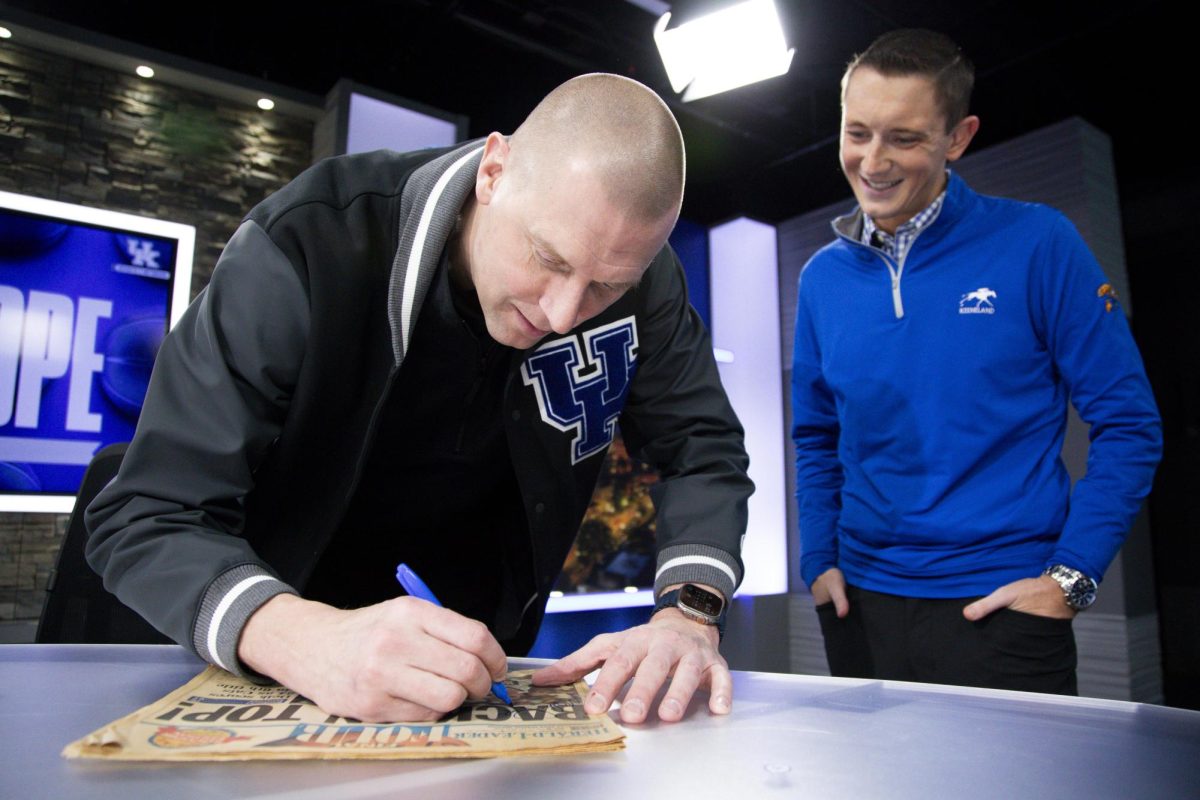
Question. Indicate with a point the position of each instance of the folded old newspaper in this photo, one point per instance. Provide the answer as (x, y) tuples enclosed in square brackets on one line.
[(218, 716)]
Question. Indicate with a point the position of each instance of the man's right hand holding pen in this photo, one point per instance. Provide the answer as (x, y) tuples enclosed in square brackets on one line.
[(403, 660), (417, 588)]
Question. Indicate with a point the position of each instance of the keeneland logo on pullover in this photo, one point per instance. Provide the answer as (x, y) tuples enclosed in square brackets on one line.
[(982, 298)]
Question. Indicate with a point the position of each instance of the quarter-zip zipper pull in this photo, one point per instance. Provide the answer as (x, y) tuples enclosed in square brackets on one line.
[(894, 271), (897, 304)]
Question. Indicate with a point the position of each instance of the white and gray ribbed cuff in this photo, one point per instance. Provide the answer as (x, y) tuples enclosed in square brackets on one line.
[(230, 600), (697, 563)]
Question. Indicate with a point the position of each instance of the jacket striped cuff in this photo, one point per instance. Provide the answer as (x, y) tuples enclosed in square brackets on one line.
[(697, 563), (228, 603)]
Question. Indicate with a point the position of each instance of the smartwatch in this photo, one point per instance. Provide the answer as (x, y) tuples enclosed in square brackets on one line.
[(1078, 589), (697, 604)]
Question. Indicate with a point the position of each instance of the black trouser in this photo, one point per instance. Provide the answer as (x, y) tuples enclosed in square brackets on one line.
[(915, 639)]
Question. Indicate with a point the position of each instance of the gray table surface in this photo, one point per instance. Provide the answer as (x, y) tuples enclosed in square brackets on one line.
[(788, 736)]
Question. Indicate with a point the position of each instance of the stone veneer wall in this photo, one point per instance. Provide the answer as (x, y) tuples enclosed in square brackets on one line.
[(79, 133)]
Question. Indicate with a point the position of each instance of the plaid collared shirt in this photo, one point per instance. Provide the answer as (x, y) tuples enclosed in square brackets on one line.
[(896, 245)]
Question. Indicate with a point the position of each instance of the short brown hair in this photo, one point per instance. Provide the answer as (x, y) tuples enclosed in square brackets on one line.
[(915, 51)]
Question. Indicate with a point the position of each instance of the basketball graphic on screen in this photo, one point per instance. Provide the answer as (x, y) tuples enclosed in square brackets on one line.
[(18, 478), (21, 237), (128, 358)]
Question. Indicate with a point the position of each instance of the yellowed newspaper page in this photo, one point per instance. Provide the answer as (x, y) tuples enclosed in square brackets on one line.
[(218, 716)]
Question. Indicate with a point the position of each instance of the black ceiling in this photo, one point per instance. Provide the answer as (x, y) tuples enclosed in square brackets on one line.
[(769, 151)]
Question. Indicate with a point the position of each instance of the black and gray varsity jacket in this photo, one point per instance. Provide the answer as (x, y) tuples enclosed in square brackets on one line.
[(263, 400)]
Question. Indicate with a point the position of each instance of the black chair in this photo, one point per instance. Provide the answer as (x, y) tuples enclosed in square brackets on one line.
[(78, 609)]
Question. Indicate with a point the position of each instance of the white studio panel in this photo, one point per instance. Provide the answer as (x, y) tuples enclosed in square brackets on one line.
[(743, 281), (378, 125)]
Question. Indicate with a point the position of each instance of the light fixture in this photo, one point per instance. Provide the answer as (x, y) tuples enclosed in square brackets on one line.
[(5, 33), (733, 47), (266, 103), (144, 71), (631, 590)]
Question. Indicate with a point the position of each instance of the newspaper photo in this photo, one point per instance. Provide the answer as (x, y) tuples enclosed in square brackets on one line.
[(218, 716)]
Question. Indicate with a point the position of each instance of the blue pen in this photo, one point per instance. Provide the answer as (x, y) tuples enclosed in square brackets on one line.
[(417, 588)]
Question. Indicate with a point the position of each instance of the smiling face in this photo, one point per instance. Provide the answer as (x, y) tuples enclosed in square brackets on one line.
[(894, 144), (546, 255)]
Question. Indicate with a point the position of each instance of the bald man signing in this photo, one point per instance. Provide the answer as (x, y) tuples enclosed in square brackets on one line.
[(420, 358)]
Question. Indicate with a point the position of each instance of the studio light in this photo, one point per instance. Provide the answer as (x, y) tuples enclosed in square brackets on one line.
[(733, 47)]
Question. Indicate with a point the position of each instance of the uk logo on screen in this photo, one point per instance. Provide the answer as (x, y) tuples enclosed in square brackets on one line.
[(83, 311)]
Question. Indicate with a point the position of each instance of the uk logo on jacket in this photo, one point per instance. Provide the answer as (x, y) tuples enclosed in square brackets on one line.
[(583, 390)]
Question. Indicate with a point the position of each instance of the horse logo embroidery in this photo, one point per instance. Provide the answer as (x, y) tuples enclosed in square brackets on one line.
[(982, 298), (584, 394)]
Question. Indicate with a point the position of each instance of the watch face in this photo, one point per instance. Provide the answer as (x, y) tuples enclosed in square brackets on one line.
[(700, 600), (1083, 593), (1080, 590)]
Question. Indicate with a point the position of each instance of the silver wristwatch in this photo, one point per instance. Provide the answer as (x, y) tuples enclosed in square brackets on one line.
[(1078, 589)]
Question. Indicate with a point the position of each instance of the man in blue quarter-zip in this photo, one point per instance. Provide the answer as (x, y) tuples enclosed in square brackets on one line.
[(938, 339)]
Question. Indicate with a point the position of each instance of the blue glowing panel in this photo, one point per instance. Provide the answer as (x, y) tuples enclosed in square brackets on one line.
[(690, 242)]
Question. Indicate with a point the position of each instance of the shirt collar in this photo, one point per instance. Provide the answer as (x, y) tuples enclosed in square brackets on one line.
[(897, 244)]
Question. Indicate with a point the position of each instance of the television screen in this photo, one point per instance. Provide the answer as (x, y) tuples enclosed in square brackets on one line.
[(86, 296)]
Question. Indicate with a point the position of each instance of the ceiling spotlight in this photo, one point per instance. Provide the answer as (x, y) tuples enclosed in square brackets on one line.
[(144, 71), (266, 103), (5, 33), (733, 47)]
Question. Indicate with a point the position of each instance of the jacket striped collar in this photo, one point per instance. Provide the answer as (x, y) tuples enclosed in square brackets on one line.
[(429, 207)]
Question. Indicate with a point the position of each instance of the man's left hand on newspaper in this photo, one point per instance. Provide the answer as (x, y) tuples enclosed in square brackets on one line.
[(669, 646)]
